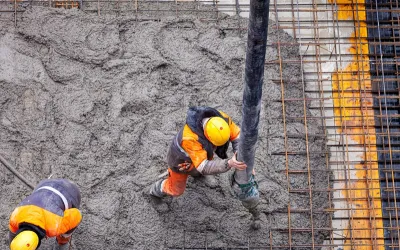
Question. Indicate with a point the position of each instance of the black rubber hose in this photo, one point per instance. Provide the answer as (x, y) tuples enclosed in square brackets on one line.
[(254, 77), (15, 172)]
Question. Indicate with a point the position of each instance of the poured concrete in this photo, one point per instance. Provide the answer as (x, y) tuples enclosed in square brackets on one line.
[(98, 100)]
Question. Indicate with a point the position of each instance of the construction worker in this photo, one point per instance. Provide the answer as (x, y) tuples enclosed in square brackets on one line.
[(50, 211), (191, 152)]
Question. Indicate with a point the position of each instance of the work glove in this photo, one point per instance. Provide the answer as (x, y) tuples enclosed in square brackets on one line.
[(64, 238), (234, 163), (58, 246), (185, 166)]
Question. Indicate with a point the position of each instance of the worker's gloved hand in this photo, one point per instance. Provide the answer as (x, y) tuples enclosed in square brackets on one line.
[(233, 163), (63, 239), (58, 246), (185, 166)]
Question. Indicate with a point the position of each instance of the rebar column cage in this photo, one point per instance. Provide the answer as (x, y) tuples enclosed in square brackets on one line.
[(349, 56)]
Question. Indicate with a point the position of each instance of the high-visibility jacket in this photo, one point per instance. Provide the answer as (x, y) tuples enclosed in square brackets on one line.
[(190, 144), (53, 207)]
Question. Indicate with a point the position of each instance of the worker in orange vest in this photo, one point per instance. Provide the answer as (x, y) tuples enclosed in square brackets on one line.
[(52, 210), (207, 131)]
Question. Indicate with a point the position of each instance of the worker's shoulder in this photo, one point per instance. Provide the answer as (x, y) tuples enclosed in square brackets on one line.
[(58, 184), (188, 134), (223, 114), (59, 181)]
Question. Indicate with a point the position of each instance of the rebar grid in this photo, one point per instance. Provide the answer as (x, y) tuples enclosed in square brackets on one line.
[(352, 86), (361, 131)]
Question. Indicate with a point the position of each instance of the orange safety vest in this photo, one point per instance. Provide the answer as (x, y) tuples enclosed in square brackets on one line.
[(189, 144)]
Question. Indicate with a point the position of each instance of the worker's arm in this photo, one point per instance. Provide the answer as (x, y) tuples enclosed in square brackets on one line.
[(235, 145), (198, 156), (218, 166), (199, 159), (71, 219), (212, 167), (26, 216), (195, 150)]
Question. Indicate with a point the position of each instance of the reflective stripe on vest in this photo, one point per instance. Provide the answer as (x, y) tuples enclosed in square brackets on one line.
[(179, 145), (57, 193)]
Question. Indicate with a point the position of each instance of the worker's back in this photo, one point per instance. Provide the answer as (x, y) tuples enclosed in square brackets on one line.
[(45, 197)]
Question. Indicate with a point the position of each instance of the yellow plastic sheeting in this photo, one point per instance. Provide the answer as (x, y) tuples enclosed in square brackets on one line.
[(351, 88)]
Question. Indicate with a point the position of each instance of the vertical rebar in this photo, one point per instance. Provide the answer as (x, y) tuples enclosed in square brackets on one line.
[(339, 63), (176, 8), (306, 135), (238, 16), (324, 125), (136, 9), (15, 13), (361, 79), (285, 137), (387, 128)]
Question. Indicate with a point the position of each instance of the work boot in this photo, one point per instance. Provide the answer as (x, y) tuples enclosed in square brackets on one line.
[(247, 193), (156, 190), (159, 200), (60, 247)]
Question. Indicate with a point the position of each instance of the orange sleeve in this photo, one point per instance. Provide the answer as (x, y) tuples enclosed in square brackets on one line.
[(13, 225), (30, 214), (72, 218), (193, 147), (235, 130), (53, 224)]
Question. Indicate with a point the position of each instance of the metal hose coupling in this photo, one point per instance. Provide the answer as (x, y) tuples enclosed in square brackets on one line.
[(247, 193)]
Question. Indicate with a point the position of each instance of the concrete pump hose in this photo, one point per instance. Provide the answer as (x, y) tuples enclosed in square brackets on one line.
[(15, 172)]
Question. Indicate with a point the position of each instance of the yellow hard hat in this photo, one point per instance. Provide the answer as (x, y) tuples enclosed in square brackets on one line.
[(25, 240), (217, 131)]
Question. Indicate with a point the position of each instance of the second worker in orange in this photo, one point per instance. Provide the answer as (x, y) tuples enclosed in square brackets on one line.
[(207, 131)]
